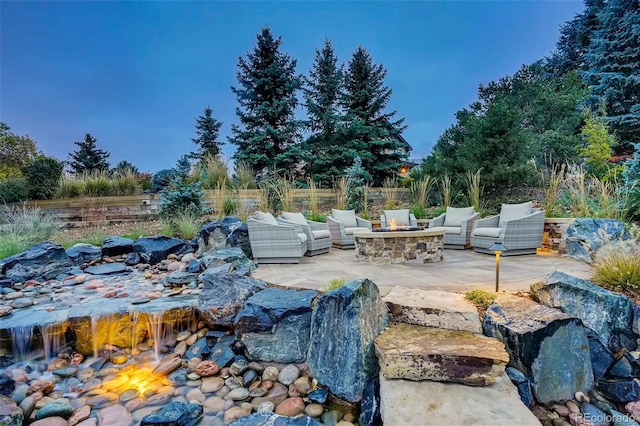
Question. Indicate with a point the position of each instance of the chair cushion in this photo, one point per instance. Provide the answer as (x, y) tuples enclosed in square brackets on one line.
[(303, 237), (265, 217), (322, 233), (295, 218), (455, 215), (514, 211), (401, 217), (487, 232), (351, 230), (347, 217), (452, 229)]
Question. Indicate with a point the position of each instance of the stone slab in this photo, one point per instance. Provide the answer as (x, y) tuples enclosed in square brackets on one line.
[(433, 308), (412, 352), (427, 403)]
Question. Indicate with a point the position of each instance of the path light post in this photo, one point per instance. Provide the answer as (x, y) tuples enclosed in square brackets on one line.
[(497, 248)]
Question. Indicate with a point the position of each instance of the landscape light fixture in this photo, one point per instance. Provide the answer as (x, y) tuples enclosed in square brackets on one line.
[(497, 248)]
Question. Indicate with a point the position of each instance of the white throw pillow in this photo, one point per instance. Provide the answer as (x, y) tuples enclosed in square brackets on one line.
[(455, 215), (347, 217), (514, 211), (401, 216), (265, 217), (295, 218)]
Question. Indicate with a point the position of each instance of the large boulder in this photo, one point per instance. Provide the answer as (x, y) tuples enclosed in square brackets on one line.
[(223, 296), (227, 256), (42, 261), (585, 236), (275, 324), (549, 346), (344, 324), (601, 310), (226, 232), (174, 414), (84, 253), (116, 245), (155, 249), (412, 352)]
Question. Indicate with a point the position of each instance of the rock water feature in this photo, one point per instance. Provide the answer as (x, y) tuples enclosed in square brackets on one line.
[(101, 340)]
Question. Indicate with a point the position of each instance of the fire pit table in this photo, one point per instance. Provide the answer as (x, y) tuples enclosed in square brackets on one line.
[(399, 246)]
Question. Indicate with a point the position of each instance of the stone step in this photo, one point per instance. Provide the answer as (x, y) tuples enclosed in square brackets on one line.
[(413, 352), (426, 403), (432, 308)]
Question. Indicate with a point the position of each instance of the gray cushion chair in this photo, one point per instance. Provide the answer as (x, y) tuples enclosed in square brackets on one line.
[(273, 242), (318, 235), (458, 223), (342, 225), (518, 227), (401, 217)]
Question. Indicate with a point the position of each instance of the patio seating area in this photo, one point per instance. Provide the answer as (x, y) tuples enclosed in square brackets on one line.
[(459, 271)]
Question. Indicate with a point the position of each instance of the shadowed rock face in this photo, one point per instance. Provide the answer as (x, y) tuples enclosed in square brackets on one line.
[(227, 232), (174, 413), (344, 324), (585, 236), (550, 347), (155, 249), (84, 253), (601, 310), (116, 245), (422, 353), (42, 261), (224, 295)]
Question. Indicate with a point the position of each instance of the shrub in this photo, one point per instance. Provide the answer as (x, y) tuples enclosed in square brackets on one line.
[(230, 206), (182, 197), (419, 211), (482, 299), (42, 175), (357, 178), (162, 179), (13, 189), (97, 184), (335, 284), (145, 181), (124, 183), (69, 187), (617, 264), (389, 194), (315, 217), (474, 189), (22, 227), (186, 225), (631, 177), (244, 177), (95, 236), (214, 172), (166, 228)]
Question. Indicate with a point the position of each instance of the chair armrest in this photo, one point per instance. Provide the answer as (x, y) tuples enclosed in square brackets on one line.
[(363, 223), (318, 226), (437, 221), (335, 227), (468, 222), (299, 228), (412, 220), (383, 221), (487, 222)]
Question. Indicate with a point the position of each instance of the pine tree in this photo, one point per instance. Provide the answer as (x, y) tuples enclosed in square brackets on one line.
[(88, 158), (613, 67), (371, 130), (631, 175), (267, 101), (208, 130)]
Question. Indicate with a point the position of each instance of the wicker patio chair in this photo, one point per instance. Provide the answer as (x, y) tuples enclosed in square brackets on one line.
[(518, 227), (402, 218), (342, 225), (458, 224), (318, 235), (272, 242)]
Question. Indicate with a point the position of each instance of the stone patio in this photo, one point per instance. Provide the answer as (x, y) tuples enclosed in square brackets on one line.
[(460, 271)]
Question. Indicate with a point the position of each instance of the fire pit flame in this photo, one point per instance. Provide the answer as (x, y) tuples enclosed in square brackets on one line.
[(392, 225)]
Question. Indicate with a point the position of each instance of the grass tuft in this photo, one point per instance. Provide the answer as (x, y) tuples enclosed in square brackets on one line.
[(23, 227), (481, 298), (335, 284), (617, 265), (186, 225)]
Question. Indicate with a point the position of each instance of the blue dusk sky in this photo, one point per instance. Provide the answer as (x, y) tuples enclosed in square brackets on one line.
[(136, 74)]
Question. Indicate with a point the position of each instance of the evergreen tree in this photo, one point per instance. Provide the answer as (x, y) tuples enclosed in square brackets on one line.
[(613, 67), (208, 130), (267, 101), (371, 130), (88, 158), (597, 145), (631, 175), (124, 167)]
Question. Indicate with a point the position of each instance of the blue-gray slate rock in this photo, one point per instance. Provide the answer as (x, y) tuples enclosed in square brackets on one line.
[(274, 325), (620, 390), (223, 296), (601, 356), (230, 255), (42, 261), (522, 383), (636, 320), (344, 324), (107, 269), (221, 352), (627, 367), (594, 414), (194, 266), (155, 249), (585, 236), (116, 245), (57, 407), (272, 419), (174, 414), (550, 347), (601, 310), (7, 385), (84, 253), (370, 404), (200, 349), (226, 232), (320, 395), (133, 258)]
